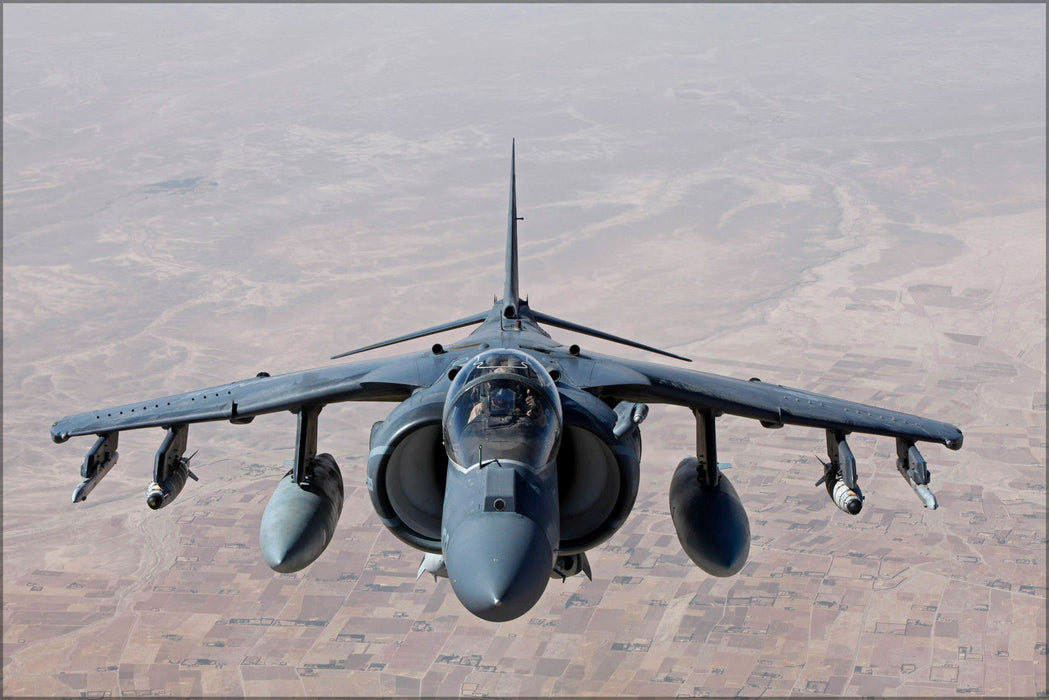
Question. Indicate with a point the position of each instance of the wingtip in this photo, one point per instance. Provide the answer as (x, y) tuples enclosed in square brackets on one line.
[(58, 435)]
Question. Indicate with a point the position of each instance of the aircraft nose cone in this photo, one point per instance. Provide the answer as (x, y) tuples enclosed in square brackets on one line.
[(498, 564)]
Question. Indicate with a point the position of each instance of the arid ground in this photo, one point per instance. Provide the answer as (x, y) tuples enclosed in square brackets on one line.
[(845, 199)]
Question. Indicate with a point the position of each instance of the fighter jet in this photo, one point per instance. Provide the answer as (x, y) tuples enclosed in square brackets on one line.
[(508, 455)]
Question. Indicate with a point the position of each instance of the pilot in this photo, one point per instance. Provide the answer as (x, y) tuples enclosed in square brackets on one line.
[(505, 400), (478, 404), (508, 402), (502, 401)]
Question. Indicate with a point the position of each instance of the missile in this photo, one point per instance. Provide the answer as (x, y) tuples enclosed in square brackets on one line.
[(840, 474), (915, 471), (99, 461), (926, 495), (159, 495), (710, 522), (88, 485), (170, 468), (846, 499), (300, 519)]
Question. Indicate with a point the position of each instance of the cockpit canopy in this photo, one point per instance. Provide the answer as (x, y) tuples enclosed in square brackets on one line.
[(502, 405)]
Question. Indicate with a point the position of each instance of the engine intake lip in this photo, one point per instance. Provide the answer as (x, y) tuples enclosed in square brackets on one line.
[(388, 436)]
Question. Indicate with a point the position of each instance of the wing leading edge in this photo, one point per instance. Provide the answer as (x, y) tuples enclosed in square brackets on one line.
[(387, 379), (772, 404)]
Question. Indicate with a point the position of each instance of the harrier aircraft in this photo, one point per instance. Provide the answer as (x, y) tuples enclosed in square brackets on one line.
[(508, 455)]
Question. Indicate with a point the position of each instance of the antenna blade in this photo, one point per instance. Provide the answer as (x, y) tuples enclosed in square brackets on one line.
[(569, 326), (469, 320)]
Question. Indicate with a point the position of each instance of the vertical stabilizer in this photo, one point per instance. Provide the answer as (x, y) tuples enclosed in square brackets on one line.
[(511, 296)]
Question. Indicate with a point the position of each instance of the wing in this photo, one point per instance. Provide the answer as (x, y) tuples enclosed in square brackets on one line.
[(772, 404), (388, 379)]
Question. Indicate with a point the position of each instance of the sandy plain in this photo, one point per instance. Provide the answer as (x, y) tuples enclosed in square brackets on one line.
[(844, 199)]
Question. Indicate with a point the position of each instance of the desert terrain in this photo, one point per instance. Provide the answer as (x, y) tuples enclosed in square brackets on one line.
[(843, 199)]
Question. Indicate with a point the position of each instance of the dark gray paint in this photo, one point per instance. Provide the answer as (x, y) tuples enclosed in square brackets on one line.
[(300, 518), (499, 562)]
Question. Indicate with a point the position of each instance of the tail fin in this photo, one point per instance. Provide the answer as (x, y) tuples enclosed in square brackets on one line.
[(511, 295)]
